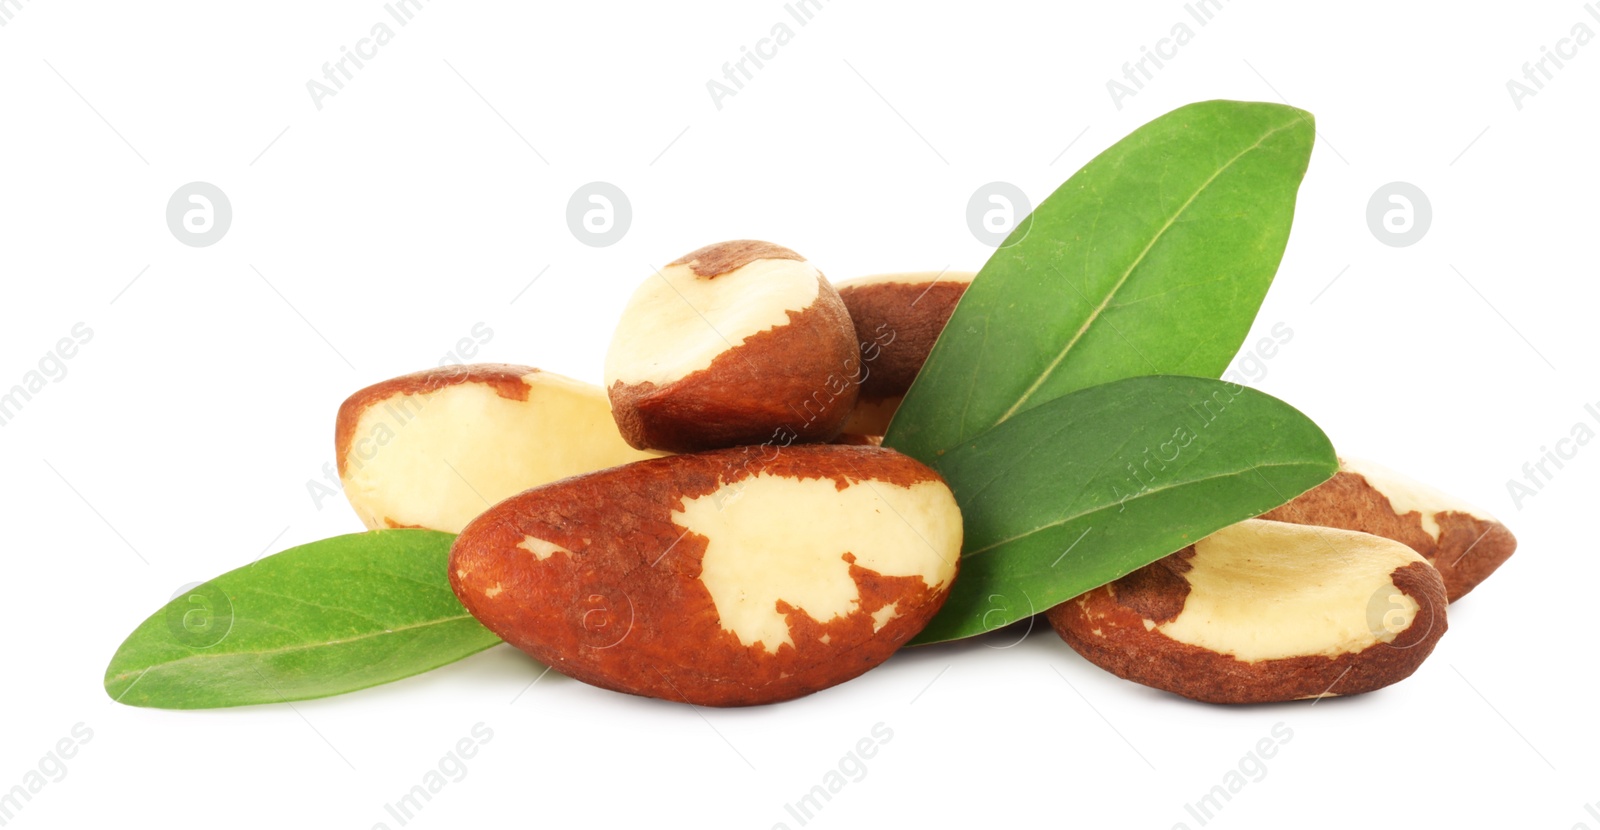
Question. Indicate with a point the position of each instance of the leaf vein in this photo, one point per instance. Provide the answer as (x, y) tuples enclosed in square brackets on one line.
[(1128, 273), (1143, 495)]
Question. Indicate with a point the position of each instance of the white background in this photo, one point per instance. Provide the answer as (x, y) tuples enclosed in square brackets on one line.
[(429, 193)]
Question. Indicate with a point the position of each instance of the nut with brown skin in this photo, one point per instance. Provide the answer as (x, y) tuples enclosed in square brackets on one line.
[(726, 578), (435, 448), (1464, 542), (738, 343), (897, 319), (1262, 612)]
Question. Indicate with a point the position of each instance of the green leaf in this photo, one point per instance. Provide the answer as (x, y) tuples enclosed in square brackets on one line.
[(1152, 259), (321, 619), (1082, 490)]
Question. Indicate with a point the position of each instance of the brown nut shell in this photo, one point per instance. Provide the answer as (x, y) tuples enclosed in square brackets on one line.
[(726, 578), (897, 318), (1463, 542)]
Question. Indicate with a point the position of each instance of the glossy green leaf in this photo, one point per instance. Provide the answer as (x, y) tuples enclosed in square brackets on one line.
[(321, 619), (1152, 259), (1090, 486)]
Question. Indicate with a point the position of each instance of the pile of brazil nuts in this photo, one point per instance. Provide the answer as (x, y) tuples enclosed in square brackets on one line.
[(718, 525)]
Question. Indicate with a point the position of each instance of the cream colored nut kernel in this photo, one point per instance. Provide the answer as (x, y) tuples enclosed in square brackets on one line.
[(436, 448), (801, 564), (738, 343), (1270, 591), (1264, 611), (1408, 495), (679, 321)]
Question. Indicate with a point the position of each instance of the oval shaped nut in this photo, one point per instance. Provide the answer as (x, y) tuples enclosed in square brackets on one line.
[(1464, 542), (435, 448), (738, 343), (897, 318), (727, 578), (1264, 611)]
